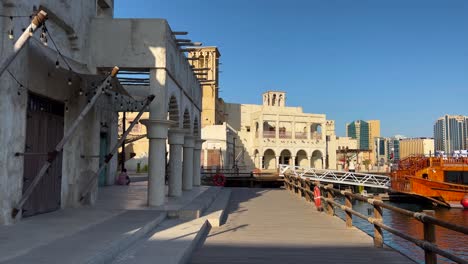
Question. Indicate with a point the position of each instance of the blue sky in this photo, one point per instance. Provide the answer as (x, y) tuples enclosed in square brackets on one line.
[(404, 62)]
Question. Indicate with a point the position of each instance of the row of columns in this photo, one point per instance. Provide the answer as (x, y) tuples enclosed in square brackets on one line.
[(259, 164), (184, 160)]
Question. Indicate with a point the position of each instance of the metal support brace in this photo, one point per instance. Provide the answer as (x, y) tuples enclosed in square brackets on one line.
[(59, 148), (109, 156), (36, 22)]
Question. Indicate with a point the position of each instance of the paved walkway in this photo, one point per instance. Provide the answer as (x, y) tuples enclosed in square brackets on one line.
[(275, 226)]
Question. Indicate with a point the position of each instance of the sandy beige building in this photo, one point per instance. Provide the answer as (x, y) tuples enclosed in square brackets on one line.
[(205, 61), (272, 133), (416, 146)]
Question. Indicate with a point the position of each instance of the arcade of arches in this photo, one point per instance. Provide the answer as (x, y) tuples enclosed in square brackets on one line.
[(270, 159)]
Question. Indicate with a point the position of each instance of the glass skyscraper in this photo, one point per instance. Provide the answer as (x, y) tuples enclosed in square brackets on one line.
[(451, 133), (359, 130)]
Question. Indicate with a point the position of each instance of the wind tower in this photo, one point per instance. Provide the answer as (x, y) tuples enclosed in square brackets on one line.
[(205, 63), (274, 98)]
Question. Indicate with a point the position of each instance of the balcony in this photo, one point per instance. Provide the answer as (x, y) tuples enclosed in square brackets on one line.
[(269, 134), (301, 135), (285, 134), (317, 136)]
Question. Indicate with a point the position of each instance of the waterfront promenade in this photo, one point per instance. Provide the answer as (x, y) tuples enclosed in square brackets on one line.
[(275, 226)]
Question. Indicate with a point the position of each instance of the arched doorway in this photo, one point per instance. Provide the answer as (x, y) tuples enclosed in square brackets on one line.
[(269, 159), (301, 159), (317, 159), (285, 157)]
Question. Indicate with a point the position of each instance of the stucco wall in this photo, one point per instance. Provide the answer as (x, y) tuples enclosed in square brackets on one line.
[(35, 68)]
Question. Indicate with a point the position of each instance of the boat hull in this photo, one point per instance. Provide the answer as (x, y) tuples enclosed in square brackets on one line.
[(443, 193)]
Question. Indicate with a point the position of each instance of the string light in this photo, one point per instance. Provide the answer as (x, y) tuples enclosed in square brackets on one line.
[(57, 64), (44, 38), (81, 92), (10, 32)]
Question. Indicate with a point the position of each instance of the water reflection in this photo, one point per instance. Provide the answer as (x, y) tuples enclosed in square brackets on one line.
[(454, 242)]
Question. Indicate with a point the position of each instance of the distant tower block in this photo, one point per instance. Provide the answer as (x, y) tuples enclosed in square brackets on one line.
[(274, 98)]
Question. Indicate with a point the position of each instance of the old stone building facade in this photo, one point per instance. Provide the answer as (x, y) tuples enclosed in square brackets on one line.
[(273, 133), (47, 87)]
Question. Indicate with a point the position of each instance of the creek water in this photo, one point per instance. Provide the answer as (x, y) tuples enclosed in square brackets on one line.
[(454, 242)]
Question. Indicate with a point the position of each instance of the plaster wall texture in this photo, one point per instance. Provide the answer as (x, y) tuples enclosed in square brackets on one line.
[(344, 142), (128, 44), (35, 68)]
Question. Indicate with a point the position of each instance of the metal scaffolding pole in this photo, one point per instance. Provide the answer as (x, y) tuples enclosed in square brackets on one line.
[(36, 22), (59, 148), (109, 156)]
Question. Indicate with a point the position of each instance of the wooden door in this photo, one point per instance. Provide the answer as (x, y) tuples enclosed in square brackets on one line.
[(44, 130), (214, 158)]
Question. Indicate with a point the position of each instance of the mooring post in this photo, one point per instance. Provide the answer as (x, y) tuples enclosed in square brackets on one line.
[(299, 190), (378, 233), (348, 204), (429, 235), (331, 196), (307, 193)]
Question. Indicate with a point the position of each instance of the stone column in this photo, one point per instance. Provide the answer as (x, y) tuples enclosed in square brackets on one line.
[(187, 177), (176, 141), (292, 161), (157, 135), (277, 161), (196, 162)]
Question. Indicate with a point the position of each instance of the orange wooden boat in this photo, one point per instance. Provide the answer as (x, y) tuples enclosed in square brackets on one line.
[(444, 181)]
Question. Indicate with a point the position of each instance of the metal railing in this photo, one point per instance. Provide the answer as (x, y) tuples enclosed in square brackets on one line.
[(285, 134), (304, 188), (301, 135), (335, 176), (269, 134)]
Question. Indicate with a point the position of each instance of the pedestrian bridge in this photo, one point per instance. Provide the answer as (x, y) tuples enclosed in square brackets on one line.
[(335, 176)]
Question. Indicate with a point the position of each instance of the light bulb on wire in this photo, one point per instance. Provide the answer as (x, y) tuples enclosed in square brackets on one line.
[(10, 32)]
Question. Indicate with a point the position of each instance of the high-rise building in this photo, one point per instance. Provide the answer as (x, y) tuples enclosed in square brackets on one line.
[(365, 132), (359, 130), (387, 150), (451, 133), (381, 150)]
